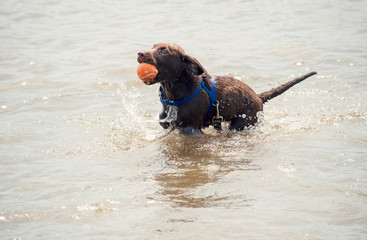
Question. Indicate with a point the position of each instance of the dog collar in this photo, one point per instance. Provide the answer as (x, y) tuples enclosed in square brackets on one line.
[(211, 93)]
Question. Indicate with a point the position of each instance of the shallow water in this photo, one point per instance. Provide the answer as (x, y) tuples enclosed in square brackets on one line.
[(82, 155)]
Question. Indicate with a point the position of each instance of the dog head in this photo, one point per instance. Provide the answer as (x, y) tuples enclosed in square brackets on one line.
[(171, 62)]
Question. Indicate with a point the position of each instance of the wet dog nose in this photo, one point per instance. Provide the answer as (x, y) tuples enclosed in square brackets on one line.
[(141, 54)]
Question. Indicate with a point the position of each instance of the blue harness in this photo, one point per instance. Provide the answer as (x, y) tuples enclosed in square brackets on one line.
[(211, 93)]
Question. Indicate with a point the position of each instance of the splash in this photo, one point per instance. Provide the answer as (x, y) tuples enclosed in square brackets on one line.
[(171, 115)]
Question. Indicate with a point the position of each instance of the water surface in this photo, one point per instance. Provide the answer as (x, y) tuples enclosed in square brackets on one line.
[(82, 155)]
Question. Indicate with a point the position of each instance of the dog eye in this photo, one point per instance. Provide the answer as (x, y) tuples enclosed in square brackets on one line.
[(163, 50)]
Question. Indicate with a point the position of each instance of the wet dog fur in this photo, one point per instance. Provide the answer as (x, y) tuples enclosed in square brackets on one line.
[(180, 74)]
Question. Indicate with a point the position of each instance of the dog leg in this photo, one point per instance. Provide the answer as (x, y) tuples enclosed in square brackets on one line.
[(189, 131), (168, 117), (239, 123), (162, 116)]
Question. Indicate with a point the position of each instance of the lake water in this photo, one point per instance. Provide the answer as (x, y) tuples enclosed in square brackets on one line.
[(82, 155)]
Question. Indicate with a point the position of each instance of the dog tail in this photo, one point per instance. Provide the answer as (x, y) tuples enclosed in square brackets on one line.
[(266, 96)]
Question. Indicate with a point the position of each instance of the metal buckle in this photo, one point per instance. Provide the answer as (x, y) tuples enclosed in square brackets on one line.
[(217, 120)]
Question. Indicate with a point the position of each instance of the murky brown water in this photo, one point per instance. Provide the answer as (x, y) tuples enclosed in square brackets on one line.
[(82, 155)]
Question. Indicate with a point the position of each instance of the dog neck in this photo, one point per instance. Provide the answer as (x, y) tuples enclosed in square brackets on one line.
[(179, 88)]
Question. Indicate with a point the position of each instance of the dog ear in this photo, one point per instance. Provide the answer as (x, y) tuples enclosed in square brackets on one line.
[(192, 65)]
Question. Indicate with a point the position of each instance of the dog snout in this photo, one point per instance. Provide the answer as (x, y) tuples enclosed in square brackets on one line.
[(145, 57)]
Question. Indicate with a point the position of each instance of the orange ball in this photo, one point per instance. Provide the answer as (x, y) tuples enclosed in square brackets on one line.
[(147, 72)]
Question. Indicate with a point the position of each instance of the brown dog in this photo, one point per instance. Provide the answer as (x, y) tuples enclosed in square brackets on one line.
[(187, 92)]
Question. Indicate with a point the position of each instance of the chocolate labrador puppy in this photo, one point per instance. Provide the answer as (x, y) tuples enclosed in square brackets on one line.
[(192, 99)]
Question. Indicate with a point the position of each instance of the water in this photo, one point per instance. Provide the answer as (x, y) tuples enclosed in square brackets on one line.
[(82, 155)]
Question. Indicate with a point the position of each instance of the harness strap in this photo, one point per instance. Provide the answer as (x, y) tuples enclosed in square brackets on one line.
[(213, 100), (179, 102), (211, 93)]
